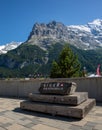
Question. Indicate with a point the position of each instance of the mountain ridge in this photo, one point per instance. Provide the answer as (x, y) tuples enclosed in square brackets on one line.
[(44, 45), (86, 37), (82, 36)]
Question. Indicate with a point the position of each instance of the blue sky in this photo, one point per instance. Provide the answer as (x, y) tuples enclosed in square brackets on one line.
[(17, 17)]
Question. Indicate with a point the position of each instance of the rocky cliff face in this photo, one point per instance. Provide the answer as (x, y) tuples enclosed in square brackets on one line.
[(53, 30), (45, 35), (82, 36)]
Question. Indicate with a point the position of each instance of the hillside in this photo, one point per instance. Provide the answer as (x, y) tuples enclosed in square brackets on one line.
[(44, 45), (27, 60)]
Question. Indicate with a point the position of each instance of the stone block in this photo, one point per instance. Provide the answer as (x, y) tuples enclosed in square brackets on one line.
[(62, 88), (74, 99), (79, 111)]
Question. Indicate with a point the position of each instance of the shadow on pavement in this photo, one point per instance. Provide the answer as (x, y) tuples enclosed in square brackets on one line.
[(44, 115)]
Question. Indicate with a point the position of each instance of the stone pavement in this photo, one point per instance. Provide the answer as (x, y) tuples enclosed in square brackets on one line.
[(13, 118)]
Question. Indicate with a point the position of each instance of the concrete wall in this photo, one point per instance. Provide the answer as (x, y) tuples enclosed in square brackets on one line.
[(21, 88)]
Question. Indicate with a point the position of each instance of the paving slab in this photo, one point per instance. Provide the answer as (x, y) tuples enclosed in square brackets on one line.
[(44, 127), (35, 120)]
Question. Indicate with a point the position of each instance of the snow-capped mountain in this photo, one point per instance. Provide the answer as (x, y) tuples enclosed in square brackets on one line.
[(51, 37), (9, 46), (87, 36)]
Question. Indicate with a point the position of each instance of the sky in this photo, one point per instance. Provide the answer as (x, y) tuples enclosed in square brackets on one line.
[(17, 17)]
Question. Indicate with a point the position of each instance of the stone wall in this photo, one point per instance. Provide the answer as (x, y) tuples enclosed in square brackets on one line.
[(22, 87)]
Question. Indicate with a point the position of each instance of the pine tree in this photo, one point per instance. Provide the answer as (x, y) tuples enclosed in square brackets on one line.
[(55, 71), (67, 65)]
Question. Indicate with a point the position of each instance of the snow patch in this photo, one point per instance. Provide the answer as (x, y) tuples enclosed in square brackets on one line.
[(97, 22), (9, 46), (81, 27), (2, 47)]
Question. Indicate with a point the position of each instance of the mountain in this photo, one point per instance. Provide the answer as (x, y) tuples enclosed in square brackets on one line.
[(44, 35), (44, 44), (9, 46), (86, 36), (82, 36), (30, 60)]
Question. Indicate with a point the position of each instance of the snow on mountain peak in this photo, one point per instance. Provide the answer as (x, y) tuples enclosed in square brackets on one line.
[(80, 27), (89, 35), (9, 46), (97, 22), (2, 47)]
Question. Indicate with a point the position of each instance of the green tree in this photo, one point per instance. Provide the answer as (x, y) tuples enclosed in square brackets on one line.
[(55, 71), (67, 65)]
